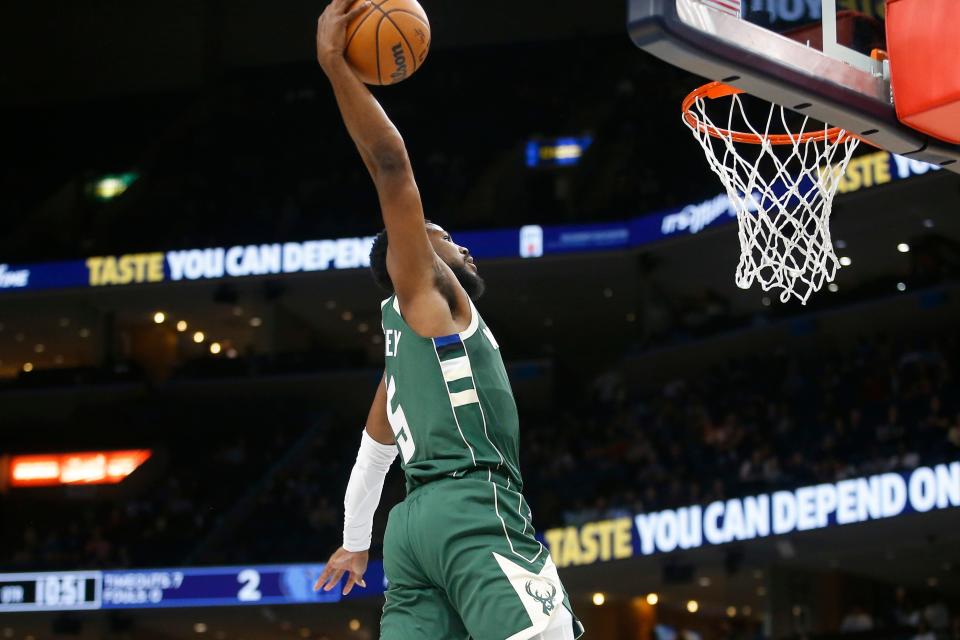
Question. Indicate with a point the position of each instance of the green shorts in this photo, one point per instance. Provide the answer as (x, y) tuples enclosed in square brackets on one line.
[(462, 562)]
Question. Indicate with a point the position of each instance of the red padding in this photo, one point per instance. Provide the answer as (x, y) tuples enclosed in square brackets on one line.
[(923, 40)]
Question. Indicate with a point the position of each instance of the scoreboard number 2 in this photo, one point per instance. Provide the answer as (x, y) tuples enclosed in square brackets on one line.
[(250, 591)]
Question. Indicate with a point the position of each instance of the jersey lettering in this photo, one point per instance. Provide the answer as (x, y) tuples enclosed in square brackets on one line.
[(392, 341), (398, 422)]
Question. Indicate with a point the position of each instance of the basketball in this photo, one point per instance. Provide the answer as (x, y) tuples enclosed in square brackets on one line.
[(388, 43)]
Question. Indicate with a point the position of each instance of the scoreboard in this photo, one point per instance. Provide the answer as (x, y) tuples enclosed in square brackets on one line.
[(66, 591), (184, 587)]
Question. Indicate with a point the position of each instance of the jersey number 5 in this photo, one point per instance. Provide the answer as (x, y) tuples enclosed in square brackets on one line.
[(398, 422)]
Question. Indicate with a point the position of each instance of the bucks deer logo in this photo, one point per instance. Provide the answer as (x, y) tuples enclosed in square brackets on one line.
[(543, 592)]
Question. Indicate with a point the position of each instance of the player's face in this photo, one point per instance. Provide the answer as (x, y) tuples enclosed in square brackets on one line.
[(458, 259)]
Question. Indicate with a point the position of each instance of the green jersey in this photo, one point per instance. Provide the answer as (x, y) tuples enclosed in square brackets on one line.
[(449, 401)]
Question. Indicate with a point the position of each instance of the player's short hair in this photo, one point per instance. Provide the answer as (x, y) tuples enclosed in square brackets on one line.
[(378, 261)]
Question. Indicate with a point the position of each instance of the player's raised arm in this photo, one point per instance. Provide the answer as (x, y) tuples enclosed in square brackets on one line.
[(412, 261), (376, 455)]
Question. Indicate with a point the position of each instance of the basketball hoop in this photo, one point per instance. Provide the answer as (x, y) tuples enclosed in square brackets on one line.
[(780, 184)]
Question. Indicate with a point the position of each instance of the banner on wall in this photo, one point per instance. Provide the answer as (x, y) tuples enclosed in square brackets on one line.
[(528, 242), (851, 501)]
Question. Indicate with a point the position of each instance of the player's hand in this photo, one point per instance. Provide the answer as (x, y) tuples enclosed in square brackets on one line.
[(343, 561), (332, 28)]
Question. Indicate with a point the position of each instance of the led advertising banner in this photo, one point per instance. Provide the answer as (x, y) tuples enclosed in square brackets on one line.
[(531, 241), (89, 467), (887, 495), (184, 587)]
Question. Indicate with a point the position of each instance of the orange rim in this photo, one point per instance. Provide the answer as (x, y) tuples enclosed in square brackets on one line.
[(713, 90)]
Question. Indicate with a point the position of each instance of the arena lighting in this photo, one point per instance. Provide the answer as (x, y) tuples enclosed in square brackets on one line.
[(182, 326), (845, 261), (833, 287), (200, 627), (354, 625), (652, 599), (599, 599), (159, 317), (255, 322), (198, 337), (27, 367), (903, 247), (693, 606), (901, 286), (111, 186), (731, 612), (215, 348), (94, 467)]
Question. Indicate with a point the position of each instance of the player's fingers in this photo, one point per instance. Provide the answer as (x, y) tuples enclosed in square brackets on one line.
[(327, 570), (341, 5), (334, 579), (352, 579), (357, 11)]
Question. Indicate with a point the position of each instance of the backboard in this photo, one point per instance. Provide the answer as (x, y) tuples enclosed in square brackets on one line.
[(814, 74)]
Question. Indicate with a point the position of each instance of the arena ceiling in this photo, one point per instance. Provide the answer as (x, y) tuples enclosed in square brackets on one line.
[(68, 51)]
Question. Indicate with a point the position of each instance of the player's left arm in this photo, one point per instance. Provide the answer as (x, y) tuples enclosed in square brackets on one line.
[(377, 453)]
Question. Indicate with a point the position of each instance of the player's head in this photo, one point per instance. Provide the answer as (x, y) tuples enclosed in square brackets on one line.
[(457, 258)]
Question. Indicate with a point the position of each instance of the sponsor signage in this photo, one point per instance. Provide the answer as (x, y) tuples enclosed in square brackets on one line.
[(92, 467), (557, 152), (851, 501), (184, 587), (531, 241)]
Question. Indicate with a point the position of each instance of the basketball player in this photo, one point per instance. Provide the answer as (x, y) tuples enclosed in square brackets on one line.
[(460, 554)]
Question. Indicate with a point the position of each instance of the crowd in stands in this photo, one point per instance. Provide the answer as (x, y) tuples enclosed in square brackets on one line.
[(203, 463), (770, 421)]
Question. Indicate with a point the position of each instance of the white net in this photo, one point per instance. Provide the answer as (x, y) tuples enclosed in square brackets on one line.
[(782, 187)]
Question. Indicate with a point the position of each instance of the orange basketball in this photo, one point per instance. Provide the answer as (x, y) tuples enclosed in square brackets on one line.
[(388, 43)]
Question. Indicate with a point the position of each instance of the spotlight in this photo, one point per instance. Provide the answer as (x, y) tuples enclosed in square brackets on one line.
[(27, 367), (215, 348), (256, 322), (182, 326), (731, 612), (354, 625), (903, 247), (159, 317), (693, 606), (833, 287), (845, 261), (652, 599), (200, 627), (901, 286), (198, 337), (599, 599)]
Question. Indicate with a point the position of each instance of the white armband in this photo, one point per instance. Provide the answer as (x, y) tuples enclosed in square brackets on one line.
[(363, 491)]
